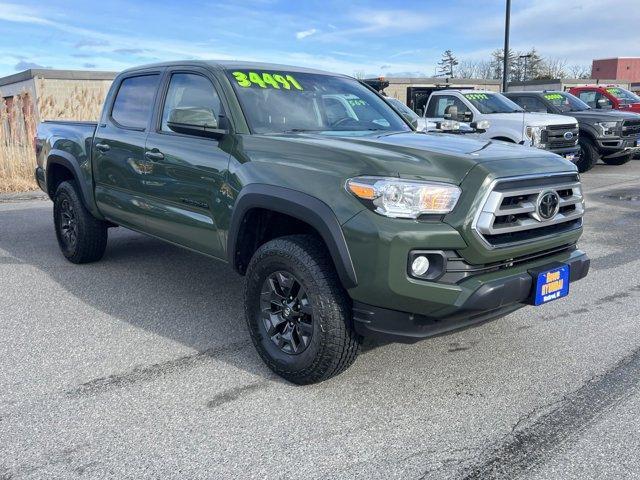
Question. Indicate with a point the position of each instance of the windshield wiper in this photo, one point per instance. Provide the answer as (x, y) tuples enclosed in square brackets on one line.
[(301, 130)]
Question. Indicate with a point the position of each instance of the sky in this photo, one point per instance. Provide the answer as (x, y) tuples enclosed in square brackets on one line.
[(393, 37)]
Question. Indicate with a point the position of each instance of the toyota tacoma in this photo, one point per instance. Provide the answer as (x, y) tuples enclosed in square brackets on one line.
[(345, 222)]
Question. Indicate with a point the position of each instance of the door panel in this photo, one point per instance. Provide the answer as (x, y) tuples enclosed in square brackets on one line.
[(185, 179), (118, 152)]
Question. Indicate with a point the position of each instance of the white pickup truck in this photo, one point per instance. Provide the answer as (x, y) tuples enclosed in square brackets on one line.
[(507, 120)]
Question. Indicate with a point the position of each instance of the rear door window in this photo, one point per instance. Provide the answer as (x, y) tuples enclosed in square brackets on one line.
[(438, 107), (531, 104), (588, 97), (134, 101)]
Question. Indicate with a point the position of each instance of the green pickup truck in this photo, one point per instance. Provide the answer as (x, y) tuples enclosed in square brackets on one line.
[(344, 220)]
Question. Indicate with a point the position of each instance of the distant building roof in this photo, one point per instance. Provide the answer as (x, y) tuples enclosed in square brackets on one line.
[(57, 74)]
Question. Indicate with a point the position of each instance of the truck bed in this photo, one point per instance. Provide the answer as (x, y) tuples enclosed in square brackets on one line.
[(70, 141)]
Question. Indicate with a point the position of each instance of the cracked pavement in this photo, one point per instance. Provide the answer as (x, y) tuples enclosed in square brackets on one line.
[(140, 366)]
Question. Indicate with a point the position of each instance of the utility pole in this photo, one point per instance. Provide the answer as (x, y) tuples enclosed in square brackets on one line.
[(505, 60)]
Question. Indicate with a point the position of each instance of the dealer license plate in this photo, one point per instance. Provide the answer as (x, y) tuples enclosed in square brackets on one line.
[(551, 285)]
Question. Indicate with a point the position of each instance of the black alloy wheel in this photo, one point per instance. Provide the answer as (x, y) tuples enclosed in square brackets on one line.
[(286, 313)]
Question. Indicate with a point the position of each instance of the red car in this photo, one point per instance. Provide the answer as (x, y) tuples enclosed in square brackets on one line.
[(607, 97)]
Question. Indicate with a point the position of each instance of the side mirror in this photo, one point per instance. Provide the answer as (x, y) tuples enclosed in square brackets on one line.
[(604, 104), (200, 122), (467, 116), (451, 112)]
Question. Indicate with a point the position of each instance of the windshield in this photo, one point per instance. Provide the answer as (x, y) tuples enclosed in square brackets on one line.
[(625, 96), (277, 102), (403, 109), (566, 102), (492, 103)]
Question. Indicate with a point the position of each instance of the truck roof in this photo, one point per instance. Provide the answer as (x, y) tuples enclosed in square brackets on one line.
[(234, 65), (462, 91)]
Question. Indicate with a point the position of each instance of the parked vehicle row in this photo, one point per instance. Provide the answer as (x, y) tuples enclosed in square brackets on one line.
[(610, 135), (345, 221), (508, 121), (602, 127)]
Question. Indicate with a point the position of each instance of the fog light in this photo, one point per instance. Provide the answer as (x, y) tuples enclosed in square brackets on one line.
[(420, 265)]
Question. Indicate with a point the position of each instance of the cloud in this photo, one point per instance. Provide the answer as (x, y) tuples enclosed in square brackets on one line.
[(91, 42), (129, 51), (24, 65), (306, 33), (89, 65), (11, 12)]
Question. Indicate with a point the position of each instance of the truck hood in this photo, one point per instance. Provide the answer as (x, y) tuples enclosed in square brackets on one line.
[(604, 115), (529, 119), (432, 156)]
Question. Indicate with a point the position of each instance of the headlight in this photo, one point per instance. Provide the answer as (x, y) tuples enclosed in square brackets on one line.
[(398, 198), (607, 128), (535, 134), (448, 125)]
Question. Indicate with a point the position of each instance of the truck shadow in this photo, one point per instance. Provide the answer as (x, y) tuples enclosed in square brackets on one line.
[(151, 285)]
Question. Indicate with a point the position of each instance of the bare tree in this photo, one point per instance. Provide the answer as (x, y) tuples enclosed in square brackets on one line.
[(579, 71), (474, 69), (554, 68), (359, 74)]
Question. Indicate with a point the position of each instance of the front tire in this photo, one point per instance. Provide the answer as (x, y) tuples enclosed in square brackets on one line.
[(617, 160), (298, 314), (82, 237), (588, 156)]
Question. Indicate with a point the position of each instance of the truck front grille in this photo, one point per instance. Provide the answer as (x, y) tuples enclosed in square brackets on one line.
[(630, 127), (561, 136), (525, 209)]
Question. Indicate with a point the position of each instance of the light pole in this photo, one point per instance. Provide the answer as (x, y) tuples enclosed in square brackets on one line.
[(526, 57), (505, 60)]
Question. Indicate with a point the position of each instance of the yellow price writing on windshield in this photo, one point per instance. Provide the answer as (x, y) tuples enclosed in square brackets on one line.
[(476, 96), (266, 80)]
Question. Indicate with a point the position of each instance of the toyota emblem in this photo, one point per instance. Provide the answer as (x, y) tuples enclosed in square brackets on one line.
[(548, 204)]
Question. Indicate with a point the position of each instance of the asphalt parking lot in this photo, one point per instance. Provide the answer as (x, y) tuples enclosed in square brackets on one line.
[(140, 366)]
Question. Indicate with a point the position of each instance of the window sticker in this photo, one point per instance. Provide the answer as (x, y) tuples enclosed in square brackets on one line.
[(278, 81), (476, 96), (553, 96)]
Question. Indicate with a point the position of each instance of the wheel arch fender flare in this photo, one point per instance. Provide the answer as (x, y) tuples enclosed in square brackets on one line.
[(301, 206), (65, 159)]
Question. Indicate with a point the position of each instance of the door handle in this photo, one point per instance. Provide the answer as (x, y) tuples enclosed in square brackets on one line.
[(103, 147), (154, 155)]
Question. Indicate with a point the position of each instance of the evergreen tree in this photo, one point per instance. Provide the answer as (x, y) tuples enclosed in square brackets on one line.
[(446, 64)]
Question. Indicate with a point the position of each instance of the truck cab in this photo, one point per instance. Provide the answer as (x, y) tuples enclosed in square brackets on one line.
[(609, 135), (507, 120), (607, 97)]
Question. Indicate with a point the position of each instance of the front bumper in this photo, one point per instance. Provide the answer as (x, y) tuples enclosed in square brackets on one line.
[(480, 299), (618, 147), (570, 153)]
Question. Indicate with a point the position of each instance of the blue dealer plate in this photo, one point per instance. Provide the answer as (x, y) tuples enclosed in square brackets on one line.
[(551, 285)]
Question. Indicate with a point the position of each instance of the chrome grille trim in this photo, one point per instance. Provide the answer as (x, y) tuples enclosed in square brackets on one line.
[(511, 210)]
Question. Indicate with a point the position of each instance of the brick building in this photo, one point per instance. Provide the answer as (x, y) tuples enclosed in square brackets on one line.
[(625, 69)]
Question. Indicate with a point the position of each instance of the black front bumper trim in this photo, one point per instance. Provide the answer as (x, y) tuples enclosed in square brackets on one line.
[(492, 300)]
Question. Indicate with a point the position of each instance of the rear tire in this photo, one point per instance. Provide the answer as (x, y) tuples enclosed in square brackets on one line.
[(82, 237), (617, 160), (298, 313), (588, 156)]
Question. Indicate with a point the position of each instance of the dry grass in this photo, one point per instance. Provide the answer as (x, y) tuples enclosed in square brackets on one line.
[(18, 121)]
